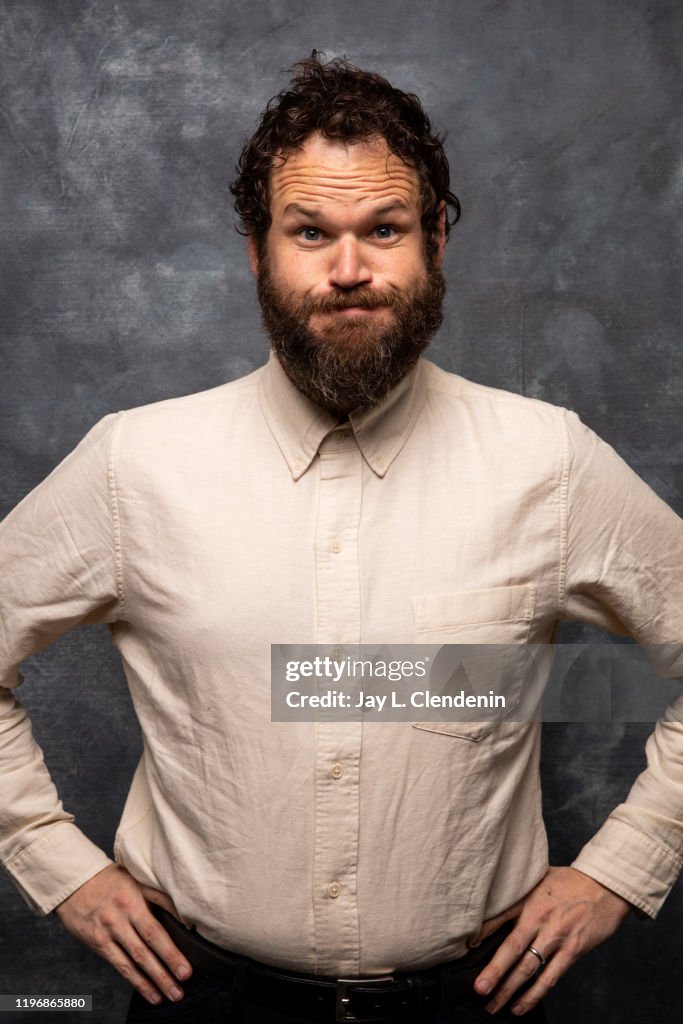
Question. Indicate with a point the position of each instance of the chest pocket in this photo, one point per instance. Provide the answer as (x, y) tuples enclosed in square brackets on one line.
[(500, 617)]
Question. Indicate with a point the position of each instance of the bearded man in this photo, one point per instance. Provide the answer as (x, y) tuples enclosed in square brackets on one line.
[(349, 491)]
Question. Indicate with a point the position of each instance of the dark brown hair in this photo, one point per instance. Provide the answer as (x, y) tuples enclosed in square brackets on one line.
[(342, 102)]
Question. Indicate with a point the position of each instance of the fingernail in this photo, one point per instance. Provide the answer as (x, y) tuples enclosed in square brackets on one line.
[(518, 1010), (182, 972), (155, 998), (483, 986), (175, 993)]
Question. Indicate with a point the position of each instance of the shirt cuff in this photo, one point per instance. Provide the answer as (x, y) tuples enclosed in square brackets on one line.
[(54, 866), (631, 864)]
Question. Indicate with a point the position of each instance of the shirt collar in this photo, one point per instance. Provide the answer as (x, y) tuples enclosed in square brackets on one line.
[(299, 425)]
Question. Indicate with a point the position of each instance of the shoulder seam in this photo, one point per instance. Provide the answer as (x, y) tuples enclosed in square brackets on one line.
[(483, 391), (564, 517), (115, 513), (210, 395)]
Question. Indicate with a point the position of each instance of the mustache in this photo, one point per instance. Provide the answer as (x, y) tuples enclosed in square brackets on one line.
[(363, 298)]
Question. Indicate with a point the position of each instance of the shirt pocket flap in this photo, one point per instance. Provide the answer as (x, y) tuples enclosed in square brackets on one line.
[(474, 609), (500, 616)]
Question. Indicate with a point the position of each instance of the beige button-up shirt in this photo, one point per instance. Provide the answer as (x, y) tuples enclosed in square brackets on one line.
[(205, 528)]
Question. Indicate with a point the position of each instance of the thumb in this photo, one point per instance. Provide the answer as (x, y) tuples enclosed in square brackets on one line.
[(161, 900)]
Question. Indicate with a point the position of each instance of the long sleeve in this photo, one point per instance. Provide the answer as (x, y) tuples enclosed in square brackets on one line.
[(59, 567), (624, 563)]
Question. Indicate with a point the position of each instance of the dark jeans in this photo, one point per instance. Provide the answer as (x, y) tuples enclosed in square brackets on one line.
[(207, 1002)]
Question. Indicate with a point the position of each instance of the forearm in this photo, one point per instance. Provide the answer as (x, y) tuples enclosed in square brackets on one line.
[(638, 852), (44, 853)]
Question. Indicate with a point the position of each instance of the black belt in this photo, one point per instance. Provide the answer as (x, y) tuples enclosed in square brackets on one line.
[(390, 997)]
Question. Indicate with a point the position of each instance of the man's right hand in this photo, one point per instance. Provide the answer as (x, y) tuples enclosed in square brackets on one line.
[(110, 914)]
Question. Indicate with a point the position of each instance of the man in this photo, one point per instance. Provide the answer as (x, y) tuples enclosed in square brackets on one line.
[(347, 492)]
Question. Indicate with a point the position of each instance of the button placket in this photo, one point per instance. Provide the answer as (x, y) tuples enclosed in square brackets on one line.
[(337, 743)]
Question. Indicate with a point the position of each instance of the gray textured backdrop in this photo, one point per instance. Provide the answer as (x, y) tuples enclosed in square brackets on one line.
[(123, 282)]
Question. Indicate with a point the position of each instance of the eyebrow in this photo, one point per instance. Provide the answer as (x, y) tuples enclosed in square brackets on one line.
[(314, 211), (397, 204)]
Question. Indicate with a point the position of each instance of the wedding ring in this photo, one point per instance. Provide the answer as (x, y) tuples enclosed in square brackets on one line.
[(539, 956)]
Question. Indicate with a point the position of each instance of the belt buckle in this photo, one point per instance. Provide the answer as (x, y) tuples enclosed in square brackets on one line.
[(344, 985)]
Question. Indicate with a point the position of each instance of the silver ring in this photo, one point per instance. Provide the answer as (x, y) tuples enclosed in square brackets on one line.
[(539, 956)]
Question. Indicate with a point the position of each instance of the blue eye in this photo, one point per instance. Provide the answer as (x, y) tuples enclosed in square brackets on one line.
[(310, 234), (385, 231)]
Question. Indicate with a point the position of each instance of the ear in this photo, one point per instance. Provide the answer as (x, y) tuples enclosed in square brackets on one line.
[(440, 237), (252, 252)]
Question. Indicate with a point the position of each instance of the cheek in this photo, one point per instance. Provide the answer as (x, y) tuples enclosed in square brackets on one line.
[(294, 269), (408, 271)]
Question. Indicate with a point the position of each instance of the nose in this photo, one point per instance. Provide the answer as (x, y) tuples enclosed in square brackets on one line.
[(349, 267)]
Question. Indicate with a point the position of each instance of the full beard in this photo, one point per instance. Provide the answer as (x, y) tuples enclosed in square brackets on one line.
[(353, 361)]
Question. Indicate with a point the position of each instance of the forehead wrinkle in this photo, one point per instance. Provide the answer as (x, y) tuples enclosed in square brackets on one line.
[(343, 172), (316, 170), (314, 188), (317, 199)]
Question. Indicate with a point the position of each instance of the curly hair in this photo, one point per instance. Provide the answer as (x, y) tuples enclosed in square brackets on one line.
[(342, 102)]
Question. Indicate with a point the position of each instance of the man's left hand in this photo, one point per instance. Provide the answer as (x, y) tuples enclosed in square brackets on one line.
[(565, 916)]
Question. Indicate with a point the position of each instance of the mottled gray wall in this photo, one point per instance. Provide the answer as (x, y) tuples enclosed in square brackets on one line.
[(122, 281)]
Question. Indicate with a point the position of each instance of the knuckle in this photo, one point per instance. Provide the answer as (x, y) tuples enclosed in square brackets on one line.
[(126, 970), (149, 934), (493, 975), (572, 948), (504, 993), (98, 940), (106, 919), (121, 900), (531, 996), (517, 947), (138, 952)]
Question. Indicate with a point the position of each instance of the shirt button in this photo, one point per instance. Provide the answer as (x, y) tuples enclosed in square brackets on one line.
[(337, 770), (333, 890), (336, 547), (340, 436), (337, 652)]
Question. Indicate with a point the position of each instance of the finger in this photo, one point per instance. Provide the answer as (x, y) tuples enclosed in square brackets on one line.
[(156, 938), (147, 964), (522, 974), (547, 979), (494, 923), (508, 954), (119, 959), (161, 899)]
